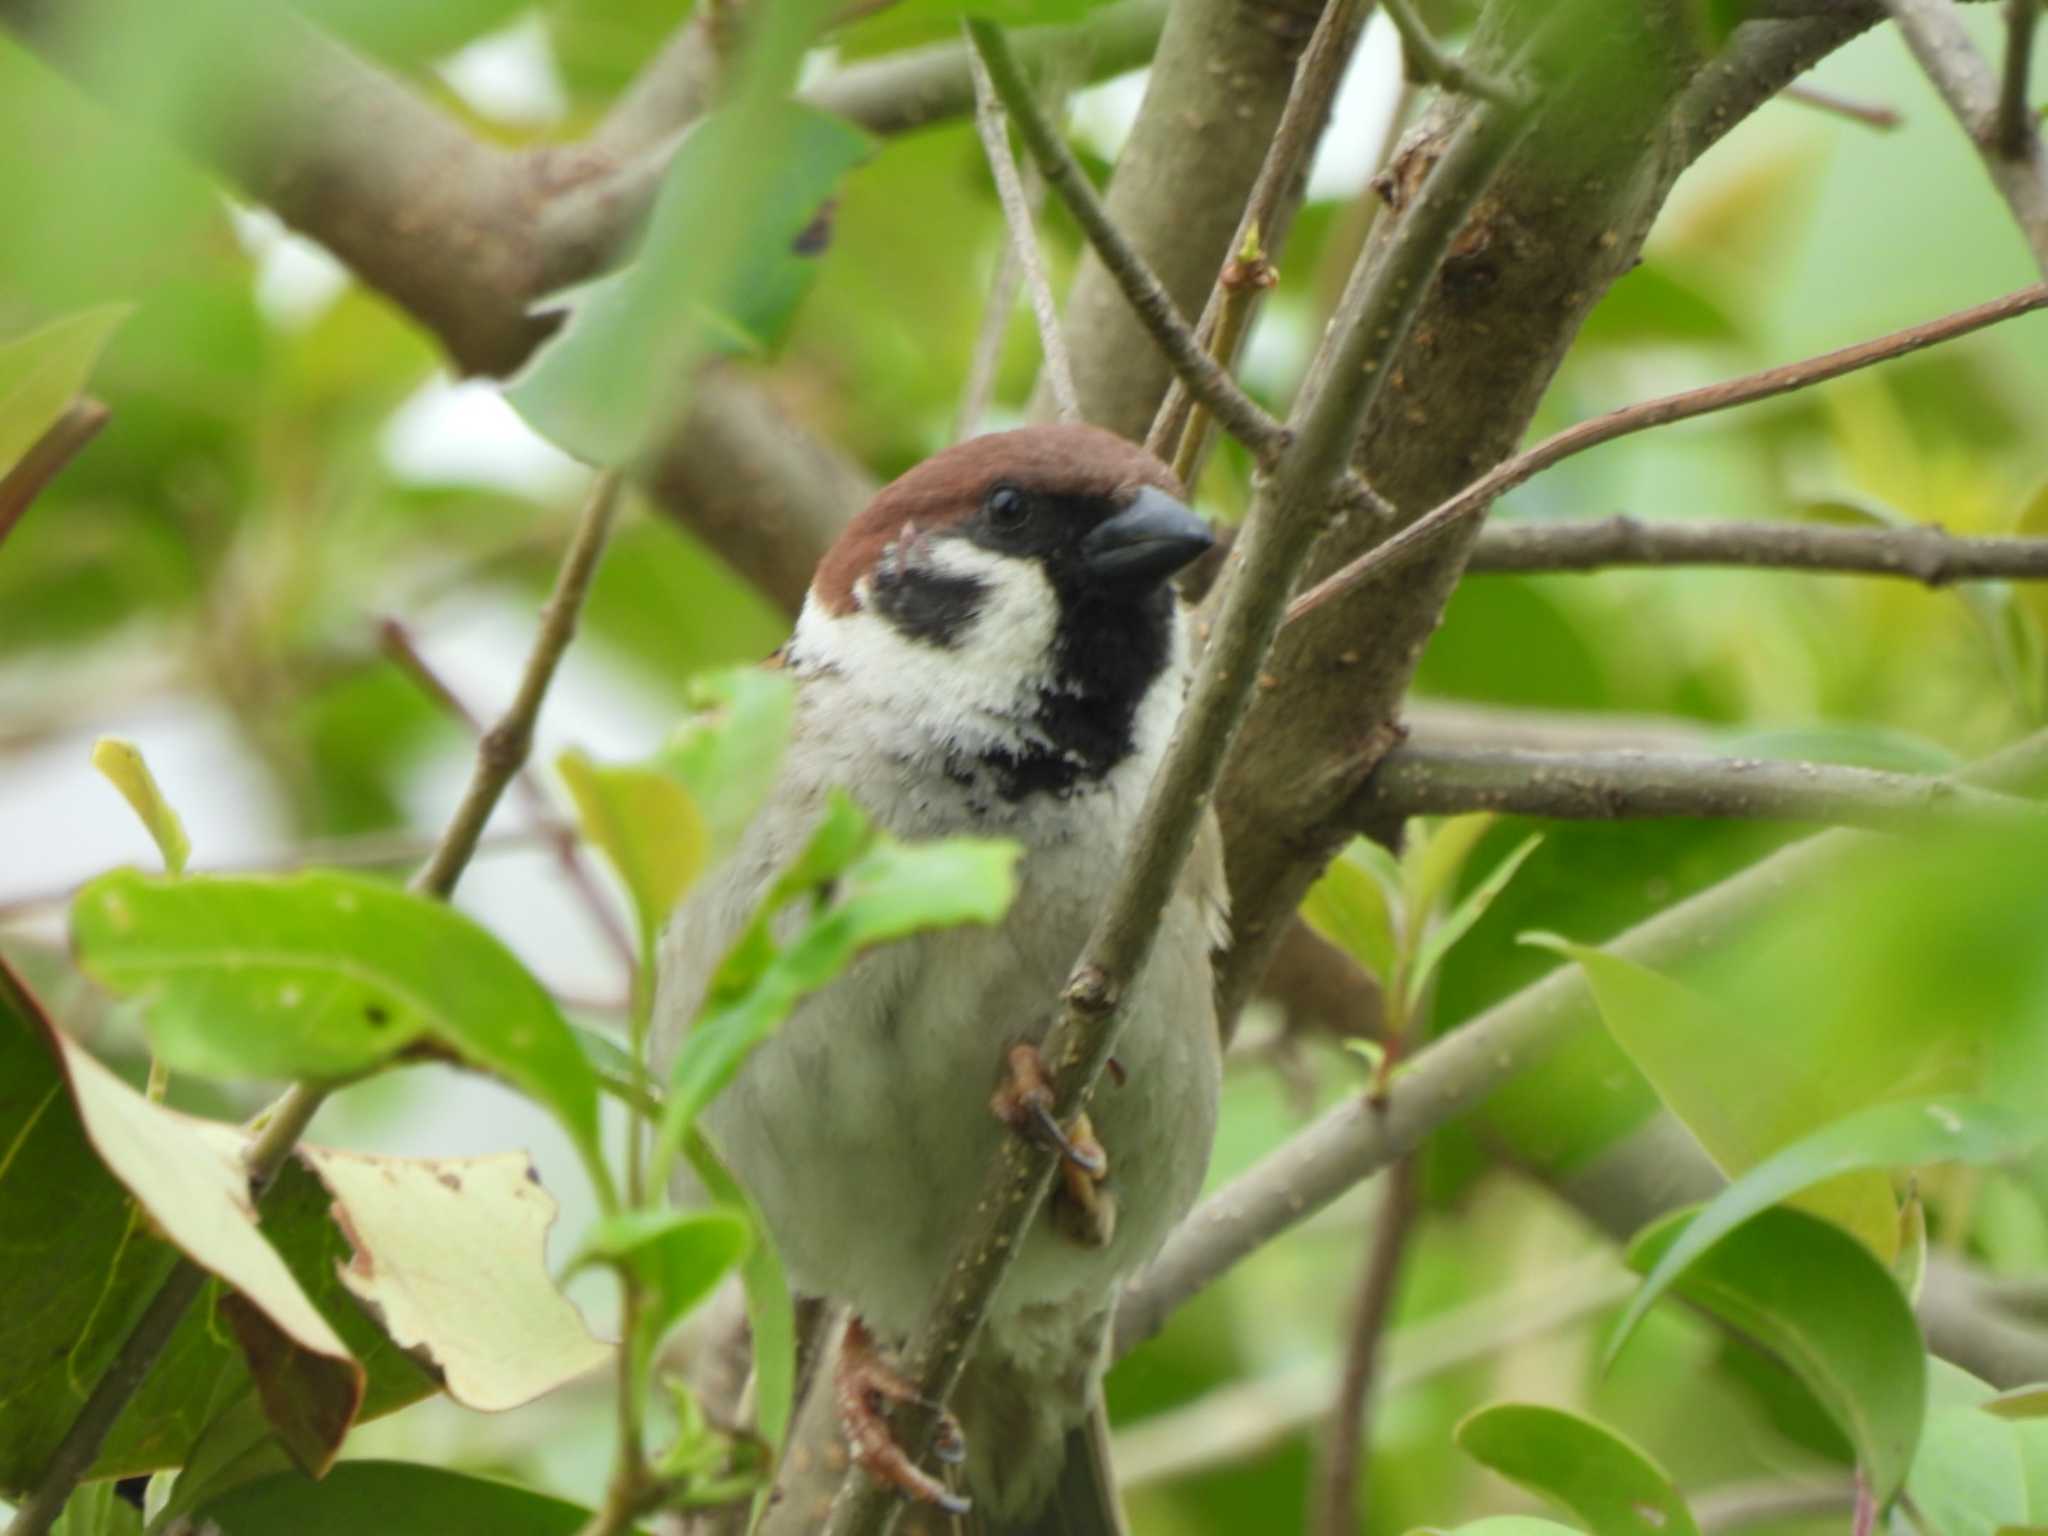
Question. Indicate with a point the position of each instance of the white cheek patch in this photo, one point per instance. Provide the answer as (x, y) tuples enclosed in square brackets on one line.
[(980, 692)]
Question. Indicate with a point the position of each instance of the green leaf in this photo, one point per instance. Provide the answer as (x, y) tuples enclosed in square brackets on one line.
[(43, 372), (771, 1316), (121, 764), (1902, 1135), (1348, 906), (677, 1257), (405, 34), (1589, 1469), (326, 975), (889, 891), (2020, 1403), (723, 262), (1501, 1525), (392, 1498), (1735, 1088), (647, 826), (450, 1256), (1439, 937), (1977, 1473), (1434, 858), (1819, 1301), (97, 1509), (729, 749)]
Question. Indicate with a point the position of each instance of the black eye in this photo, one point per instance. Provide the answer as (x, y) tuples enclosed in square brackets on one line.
[(1007, 509)]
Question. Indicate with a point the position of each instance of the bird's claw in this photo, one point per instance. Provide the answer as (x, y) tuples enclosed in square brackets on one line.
[(864, 1385), (1081, 1208)]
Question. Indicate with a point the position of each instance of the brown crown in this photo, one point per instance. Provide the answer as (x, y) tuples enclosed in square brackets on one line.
[(1063, 460)]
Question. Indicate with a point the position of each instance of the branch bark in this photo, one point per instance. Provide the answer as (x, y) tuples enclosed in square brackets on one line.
[(1417, 780), (1474, 500), (2018, 168), (1924, 554)]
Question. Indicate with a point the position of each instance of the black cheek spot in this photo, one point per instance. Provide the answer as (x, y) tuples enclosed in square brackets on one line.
[(928, 606)]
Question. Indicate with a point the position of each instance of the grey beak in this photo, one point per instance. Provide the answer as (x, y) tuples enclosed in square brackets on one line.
[(1148, 541)]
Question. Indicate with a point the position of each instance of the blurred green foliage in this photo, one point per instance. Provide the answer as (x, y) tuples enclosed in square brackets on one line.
[(230, 543)]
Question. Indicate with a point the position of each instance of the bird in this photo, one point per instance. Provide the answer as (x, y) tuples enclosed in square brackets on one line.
[(993, 646)]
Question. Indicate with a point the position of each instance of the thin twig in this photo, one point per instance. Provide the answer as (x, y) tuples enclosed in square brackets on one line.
[(279, 1127), (1239, 413), (1428, 63), (993, 128), (46, 459), (1480, 494), (396, 641), (1444, 1080), (987, 357), (2015, 122), (1333, 1507), (502, 750), (1177, 432), (1282, 527), (1736, 1505), (1870, 114), (1414, 780), (1921, 553), (1935, 33)]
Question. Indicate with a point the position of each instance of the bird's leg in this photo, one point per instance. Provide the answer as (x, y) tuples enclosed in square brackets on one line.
[(1082, 1209), (864, 1385)]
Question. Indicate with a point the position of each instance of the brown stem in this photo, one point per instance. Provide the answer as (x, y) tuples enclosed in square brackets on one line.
[(2015, 122), (1428, 63), (1480, 494), (1870, 114), (1334, 1502), (1925, 554), (46, 458)]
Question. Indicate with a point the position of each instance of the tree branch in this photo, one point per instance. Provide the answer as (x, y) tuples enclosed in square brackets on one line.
[(1924, 553), (1458, 1072), (1415, 780), (46, 458), (2015, 132), (993, 128), (1936, 35), (1481, 493), (1870, 114), (1428, 63), (1333, 1504), (1239, 413), (1177, 430)]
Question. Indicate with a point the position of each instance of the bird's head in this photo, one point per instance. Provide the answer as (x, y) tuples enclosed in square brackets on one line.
[(1019, 581)]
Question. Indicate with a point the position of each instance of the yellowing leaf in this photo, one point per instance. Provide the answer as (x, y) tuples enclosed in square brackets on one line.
[(451, 1257), (647, 826), (121, 764)]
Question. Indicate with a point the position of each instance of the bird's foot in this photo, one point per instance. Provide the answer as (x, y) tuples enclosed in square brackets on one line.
[(1082, 1209), (865, 1384)]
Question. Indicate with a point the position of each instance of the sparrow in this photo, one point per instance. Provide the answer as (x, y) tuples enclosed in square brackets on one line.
[(994, 646)]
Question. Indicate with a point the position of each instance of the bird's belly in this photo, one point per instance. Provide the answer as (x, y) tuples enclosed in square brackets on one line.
[(864, 1130)]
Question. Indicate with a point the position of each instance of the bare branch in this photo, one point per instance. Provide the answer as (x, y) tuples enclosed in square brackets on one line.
[(1441, 1082), (1924, 554), (1178, 430), (1736, 1505), (502, 750), (46, 458), (993, 128), (396, 641), (1935, 33), (1333, 1501), (1870, 114), (1239, 413), (1480, 494), (2015, 134), (1427, 62), (671, 92), (1416, 780)]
